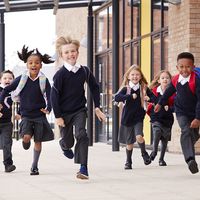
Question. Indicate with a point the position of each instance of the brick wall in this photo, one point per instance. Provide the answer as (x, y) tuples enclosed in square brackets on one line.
[(184, 35)]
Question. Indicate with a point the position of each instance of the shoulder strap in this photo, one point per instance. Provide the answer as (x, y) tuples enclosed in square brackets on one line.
[(87, 73), (42, 81), (128, 90), (175, 80), (154, 90)]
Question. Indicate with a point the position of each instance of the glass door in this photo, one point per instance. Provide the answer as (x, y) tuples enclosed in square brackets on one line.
[(104, 74)]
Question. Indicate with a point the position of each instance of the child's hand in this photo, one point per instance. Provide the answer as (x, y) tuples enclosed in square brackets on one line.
[(1, 115), (134, 96), (157, 108), (45, 111), (146, 98), (17, 117), (60, 122), (166, 108), (100, 115), (195, 123), (1, 106)]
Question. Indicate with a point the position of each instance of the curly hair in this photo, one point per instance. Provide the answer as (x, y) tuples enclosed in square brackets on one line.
[(25, 54)]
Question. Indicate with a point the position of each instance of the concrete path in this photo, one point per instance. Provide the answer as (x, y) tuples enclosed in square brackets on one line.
[(108, 180)]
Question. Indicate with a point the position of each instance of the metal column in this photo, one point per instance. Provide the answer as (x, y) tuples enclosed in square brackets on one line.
[(2, 42), (115, 72), (90, 65)]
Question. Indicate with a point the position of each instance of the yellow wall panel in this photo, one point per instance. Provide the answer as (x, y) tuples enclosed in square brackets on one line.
[(146, 54)]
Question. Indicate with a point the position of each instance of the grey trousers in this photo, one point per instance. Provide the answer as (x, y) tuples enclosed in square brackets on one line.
[(6, 142), (189, 136), (78, 121)]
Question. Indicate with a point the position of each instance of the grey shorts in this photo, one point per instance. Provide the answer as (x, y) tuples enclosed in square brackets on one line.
[(127, 134)]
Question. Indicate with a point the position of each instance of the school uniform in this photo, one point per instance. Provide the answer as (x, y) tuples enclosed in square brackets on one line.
[(161, 123), (187, 108), (132, 114), (6, 128), (68, 102), (34, 121)]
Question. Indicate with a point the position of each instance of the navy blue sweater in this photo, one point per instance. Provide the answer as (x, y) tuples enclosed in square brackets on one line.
[(165, 117), (6, 111), (133, 112), (186, 103), (31, 97), (68, 93)]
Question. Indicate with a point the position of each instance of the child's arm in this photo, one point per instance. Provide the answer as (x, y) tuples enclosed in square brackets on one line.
[(47, 110), (121, 96), (196, 122), (163, 100)]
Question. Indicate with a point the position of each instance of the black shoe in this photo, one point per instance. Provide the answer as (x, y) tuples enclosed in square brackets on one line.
[(153, 155), (68, 153), (127, 165), (162, 163), (193, 167), (10, 168), (146, 158), (34, 171), (25, 145)]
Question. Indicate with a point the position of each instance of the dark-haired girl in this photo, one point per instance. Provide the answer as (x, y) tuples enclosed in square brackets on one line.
[(32, 89)]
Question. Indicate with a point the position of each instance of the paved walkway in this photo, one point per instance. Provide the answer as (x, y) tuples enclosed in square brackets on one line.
[(108, 180)]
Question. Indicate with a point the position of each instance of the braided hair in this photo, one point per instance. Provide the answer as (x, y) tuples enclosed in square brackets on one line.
[(25, 54)]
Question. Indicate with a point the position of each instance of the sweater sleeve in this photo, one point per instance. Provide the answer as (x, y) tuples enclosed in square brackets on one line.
[(168, 92), (121, 96), (55, 94), (198, 98), (94, 87)]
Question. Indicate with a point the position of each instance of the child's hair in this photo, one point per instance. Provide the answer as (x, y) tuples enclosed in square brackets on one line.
[(7, 72), (25, 54), (143, 82), (187, 55), (66, 40), (154, 82)]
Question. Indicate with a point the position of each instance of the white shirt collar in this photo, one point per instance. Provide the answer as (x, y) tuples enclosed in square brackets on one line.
[(183, 80), (133, 86), (159, 90), (39, 74), (2, 86), (74, 68)]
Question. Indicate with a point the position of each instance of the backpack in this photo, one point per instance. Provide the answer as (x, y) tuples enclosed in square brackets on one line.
[(22, 83), (121, 104)]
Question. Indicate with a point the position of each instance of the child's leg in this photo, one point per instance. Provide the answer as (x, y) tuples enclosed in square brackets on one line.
[(164, 142), (36, 154), (129, 151), (187, 143), (156, 140), (7, 146)]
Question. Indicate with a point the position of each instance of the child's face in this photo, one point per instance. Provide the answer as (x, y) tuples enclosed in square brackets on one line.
[(6, 79), (69, 53), (164, 79), (185, 66), (34, 65), (134, 76)]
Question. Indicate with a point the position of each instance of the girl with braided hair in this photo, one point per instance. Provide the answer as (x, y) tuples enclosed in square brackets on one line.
[(33, 110)]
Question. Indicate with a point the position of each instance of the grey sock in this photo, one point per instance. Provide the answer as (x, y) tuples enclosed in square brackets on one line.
[(36, 155)]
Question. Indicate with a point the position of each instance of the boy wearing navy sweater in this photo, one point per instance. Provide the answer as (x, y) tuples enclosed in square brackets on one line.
[(6, 126), (68, 102), (186, 85)]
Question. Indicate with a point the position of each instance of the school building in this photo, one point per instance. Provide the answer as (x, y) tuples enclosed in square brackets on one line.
[(118, 33)]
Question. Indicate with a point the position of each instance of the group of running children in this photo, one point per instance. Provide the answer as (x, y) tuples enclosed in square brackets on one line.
[(165, 95)]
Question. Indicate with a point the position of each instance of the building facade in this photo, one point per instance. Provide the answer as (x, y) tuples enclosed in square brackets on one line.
[(150, 33)]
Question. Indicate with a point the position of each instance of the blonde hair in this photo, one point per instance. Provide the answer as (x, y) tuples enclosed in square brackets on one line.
[(143, 82), (65, 40), (154, 82)]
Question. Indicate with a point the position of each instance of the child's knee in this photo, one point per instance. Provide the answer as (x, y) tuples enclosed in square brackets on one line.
[(140, 138), (26, 138)]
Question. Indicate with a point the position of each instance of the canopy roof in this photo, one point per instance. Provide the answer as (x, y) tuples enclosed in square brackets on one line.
[(28, 5)]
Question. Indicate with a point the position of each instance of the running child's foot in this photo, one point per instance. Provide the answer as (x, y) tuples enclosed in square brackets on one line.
[(10, 168), (127, 165), (25, 145), (34, 171), (146, 158), (162, 163), (83, 173), (68, 153), (193, 167), (153, 155)]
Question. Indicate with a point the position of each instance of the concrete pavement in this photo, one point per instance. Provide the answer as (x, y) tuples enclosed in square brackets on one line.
[(108, 180)]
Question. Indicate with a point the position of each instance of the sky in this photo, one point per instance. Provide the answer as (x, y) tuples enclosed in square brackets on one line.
[(35, 29)]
